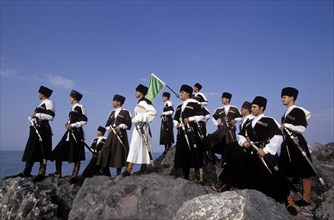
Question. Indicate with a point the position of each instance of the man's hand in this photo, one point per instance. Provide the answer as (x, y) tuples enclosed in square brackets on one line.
[(118, 129), (246, 144), (261, 152)]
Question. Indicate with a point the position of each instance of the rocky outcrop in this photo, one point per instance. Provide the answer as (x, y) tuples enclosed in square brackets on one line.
[(150, 196), (159, 194), (51, 198), (234, 205)]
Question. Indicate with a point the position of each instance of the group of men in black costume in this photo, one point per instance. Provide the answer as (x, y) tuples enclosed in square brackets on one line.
[(260, 156)]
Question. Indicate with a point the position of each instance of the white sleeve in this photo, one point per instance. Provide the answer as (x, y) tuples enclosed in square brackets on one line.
[(196, 118), (298, 129), (241, 140), (43, 116), (145, 114), (274, 145)]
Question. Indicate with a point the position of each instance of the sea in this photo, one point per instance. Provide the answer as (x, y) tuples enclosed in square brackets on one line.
[(11, 164)]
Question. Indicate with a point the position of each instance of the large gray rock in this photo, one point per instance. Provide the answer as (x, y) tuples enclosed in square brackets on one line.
[(150, 196), (156, 196), (326, 209), (239, 204), (21, 198), (323, 160)]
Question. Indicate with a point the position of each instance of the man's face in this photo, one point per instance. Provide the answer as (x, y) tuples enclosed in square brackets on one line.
[(287, 100), (244, 111), (40, 96), (138, 94), (72, 100), (195, 89), (115, 103), (256, 110), (164, 98), (225, 101), (184, 95)]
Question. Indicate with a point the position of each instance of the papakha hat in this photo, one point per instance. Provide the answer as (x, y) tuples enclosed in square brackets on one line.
[(76, 95), (45, 91), (289, 91), (142, 89), (260, 101), (186, 88), (119, 98)]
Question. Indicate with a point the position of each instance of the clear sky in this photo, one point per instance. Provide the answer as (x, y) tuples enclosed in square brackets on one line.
[(101, 48)]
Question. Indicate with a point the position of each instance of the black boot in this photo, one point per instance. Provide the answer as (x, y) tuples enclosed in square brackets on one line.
[(220, 186), (74, 177), (58, 169), (118, 171), (291, 206), (41, 173), (186, 172), (142, 170)]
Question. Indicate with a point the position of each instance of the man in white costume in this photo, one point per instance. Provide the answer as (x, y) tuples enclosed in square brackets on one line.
[(140, 145)]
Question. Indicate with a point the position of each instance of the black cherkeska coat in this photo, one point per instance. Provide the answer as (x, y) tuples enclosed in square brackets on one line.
[(71, 146), (113, 153), (93, 169), (298, 166), (223, 135), (33, 151), (188, 156), (166, 129)]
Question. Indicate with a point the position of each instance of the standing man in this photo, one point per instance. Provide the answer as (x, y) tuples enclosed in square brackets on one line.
[(188, 154), (96, 146), (39, 144), (71, 146), (224, 118), (200, 96), (292, 161), (140, 145), (262, 139), (166, 129), (116, 149)]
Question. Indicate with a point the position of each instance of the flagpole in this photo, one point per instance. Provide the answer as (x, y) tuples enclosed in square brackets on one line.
[(177, 95)]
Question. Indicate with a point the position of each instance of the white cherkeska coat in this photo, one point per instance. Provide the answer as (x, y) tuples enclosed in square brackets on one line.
[(138, 154)]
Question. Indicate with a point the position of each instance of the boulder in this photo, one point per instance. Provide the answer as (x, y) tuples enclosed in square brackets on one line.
[(239, 204), (150, 196), (51, 198)]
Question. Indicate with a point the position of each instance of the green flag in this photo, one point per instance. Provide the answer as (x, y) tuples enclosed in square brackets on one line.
[(155, 86)]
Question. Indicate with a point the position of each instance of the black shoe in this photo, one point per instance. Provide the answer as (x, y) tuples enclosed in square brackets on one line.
[(302, 202), (39, 177), (73, 179), (118, 172), (291, 207), (142, 170), (55, 174), (126, 173), (292, 210), (220, 186)]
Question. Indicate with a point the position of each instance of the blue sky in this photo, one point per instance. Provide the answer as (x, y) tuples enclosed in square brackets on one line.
[(101, 48)]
